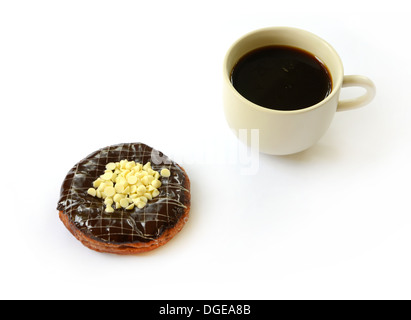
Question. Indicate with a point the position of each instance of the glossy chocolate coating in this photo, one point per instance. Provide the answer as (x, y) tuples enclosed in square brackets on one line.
[(122, 226)]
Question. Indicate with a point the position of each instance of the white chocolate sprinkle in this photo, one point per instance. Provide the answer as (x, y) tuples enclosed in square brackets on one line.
[(156, 183), (165, 173), (109, 191), (140, 204), (111, 166), (109, 209), (92, 192)]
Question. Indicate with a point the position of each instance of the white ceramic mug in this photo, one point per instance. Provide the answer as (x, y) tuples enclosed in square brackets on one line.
[(286, 132)]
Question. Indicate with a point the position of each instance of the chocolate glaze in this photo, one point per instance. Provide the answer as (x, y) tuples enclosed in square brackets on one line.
[(124, 226)]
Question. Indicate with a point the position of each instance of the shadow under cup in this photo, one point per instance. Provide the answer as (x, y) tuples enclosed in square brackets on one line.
[(281, 132)]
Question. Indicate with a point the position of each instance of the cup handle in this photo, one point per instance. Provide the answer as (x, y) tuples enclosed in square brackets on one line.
[(357, 81)]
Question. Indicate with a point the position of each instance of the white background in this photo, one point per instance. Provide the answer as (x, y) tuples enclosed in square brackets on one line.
[(332, 222)]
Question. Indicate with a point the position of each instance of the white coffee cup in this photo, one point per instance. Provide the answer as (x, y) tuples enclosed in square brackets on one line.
[(286, 132)]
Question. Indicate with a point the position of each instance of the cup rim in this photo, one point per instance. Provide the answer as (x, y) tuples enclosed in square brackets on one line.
[(336, 84)]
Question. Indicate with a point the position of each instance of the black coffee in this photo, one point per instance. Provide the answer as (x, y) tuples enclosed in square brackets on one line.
[(281, 78)]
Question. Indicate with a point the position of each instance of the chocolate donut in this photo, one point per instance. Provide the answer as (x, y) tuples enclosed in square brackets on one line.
[(124, 231)]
